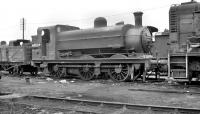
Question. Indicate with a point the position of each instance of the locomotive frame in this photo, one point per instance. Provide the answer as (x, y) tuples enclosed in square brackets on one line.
[(119, 69)]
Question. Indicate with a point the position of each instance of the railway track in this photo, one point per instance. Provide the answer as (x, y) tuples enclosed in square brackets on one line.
[(75, 106), (166, 91)]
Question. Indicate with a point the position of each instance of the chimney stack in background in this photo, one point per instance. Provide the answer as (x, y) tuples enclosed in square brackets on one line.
[(138, 18)]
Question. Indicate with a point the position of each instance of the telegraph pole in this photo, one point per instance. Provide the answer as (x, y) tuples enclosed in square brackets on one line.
[(23, 27)]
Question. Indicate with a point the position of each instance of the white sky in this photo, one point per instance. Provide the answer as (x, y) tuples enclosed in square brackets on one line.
[(79, 13)]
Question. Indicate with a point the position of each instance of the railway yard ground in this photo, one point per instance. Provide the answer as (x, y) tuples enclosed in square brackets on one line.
[(45, 95)]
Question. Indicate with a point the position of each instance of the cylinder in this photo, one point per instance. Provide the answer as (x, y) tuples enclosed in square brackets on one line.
[(138, 18)]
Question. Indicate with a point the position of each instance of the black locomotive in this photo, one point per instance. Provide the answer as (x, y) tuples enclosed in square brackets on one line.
[(120, 51)]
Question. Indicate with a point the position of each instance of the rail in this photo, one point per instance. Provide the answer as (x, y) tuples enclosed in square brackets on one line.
[(102, 106)]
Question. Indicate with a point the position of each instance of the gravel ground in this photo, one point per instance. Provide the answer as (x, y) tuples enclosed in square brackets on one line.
[(104, 90)]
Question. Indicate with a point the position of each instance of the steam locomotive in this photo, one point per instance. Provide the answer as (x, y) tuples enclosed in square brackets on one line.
[(121, 51)]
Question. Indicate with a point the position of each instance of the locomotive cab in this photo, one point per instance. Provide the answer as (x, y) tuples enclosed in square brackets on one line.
[(44, 43)]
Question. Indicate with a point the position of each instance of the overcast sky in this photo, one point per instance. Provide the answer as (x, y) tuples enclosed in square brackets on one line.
[(79, 13)]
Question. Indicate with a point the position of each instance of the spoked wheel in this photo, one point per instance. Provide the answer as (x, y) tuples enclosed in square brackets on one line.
[(120, 73), (87, 72), (58, 72)]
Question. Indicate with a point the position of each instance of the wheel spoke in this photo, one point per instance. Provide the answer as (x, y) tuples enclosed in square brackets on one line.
[(87, 75), (122, 75), (118, 76), (114, 73), (58, 73), (84, 74), (125, 73)]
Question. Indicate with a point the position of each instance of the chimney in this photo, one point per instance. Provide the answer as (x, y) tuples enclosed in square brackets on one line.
[(138, 18)]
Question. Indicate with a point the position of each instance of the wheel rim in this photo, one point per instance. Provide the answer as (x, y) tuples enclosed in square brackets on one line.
[(86, 72), (120, 73)]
